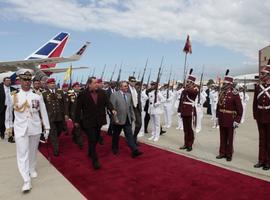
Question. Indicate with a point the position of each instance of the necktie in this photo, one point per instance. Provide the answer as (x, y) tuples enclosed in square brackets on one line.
[(125, 97)]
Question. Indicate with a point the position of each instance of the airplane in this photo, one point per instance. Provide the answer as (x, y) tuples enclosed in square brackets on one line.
[(43, 60)]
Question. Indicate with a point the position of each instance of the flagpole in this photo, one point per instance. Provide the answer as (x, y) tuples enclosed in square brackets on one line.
[(185, 66)]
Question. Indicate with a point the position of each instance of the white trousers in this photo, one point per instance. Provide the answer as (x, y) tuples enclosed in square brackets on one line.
[(155, 119), (142, 127), (179, 120), (199, 112), (244, 114), (26, 154), (168, 115)]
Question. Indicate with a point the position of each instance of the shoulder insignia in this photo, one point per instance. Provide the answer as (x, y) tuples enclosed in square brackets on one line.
[(13, 92), (235, 91)]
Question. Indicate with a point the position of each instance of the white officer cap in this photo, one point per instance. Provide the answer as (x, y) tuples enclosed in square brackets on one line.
[(25, 74)]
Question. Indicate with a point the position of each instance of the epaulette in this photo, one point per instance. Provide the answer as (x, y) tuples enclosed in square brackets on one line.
[(13, 92)]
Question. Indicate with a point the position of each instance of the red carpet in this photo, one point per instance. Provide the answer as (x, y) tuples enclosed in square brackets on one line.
[(157, 174)]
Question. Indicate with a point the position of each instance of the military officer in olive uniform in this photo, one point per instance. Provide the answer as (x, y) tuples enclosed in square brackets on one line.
[(229, 114), (57, 111), (261, 113)]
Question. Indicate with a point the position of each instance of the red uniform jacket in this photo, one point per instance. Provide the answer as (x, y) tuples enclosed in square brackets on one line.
[(261, 103), (229, 108), (187, 101)]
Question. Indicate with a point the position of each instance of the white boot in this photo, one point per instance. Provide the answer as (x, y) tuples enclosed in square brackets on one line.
[(33, 174), (26, 186), (151, 138)]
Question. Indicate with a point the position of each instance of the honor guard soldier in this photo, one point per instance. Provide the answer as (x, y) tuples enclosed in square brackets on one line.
[(187, 110), (261, 113), (72, 102), (57, 110), (155, 110), (229, 113), (168, 104), (30, 113)]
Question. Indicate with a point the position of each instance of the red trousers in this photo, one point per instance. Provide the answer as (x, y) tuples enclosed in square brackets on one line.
[(226, 141), (264, 142), (189, 134)]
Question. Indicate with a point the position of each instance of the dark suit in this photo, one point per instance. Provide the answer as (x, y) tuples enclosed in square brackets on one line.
[(147, 116), (3, 108), (109, 92), (93, 116), (138, 114)]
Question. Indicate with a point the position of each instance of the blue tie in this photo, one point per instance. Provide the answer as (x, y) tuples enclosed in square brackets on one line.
[(125, 97)]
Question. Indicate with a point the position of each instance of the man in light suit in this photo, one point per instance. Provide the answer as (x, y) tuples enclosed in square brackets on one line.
[(122, 103), (30, 113)]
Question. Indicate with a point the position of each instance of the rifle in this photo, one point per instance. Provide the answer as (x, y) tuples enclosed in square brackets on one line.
[(102, 74), (173, 82), (94, 72), (144, 74), (113, 73), (158, 79), (244, 89), (119, 76), (200, 87), (139, 75), (169, 80), (148, 80), (134, 72)]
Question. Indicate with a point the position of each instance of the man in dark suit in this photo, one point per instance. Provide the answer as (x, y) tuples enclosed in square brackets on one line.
[(5, 91), (122, 102), (109, 92), (137, 105), (90, 113)]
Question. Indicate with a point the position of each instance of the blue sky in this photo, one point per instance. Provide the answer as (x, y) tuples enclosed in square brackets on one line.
[(132, 31)]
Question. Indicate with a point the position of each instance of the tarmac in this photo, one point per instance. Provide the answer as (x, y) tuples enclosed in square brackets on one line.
[(51, 184)]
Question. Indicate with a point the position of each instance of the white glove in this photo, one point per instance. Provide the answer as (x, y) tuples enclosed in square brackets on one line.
[(156, 104), (235, 125), (46, 134)]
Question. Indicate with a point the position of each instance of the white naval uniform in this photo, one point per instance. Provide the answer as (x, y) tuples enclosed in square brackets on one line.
[(199, 110), (244, 100), (27, 130), (214, 100), (168, 104), (155, 110), (144, 98), (176, 105)]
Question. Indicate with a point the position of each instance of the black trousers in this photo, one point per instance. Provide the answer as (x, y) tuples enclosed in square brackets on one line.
[(138, 122), (127, 127), (2, 122), (55, 131), (93, 134), (146, 121)]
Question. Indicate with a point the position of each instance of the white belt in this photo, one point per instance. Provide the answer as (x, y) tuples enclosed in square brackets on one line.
[(188, 103), (264, 107)]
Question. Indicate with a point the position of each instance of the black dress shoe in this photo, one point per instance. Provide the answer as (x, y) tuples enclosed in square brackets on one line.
[(96, 164), (2, 136), (115, 151), (101, 141), (258, 165), (11, 139), (229, 159), (189, 148), (136, 153), (266, 167), (162, 132), (183, 147), (220, 157), (56, 153)]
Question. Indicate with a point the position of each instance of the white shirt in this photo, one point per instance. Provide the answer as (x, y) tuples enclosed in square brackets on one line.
[(134, 96), (7, 92)]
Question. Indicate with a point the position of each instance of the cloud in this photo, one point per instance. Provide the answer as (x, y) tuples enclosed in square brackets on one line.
[(238, 25)]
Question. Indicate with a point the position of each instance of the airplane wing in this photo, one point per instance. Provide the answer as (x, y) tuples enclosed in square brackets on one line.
[(32, 63), (60, 70)]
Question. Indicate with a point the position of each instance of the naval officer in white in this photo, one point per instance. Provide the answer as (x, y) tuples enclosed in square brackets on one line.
[(30, 114)]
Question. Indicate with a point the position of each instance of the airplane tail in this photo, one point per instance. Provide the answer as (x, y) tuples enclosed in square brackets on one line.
[(53, 48)]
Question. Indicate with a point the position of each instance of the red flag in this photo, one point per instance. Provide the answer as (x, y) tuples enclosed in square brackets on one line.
[(187, 49)]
